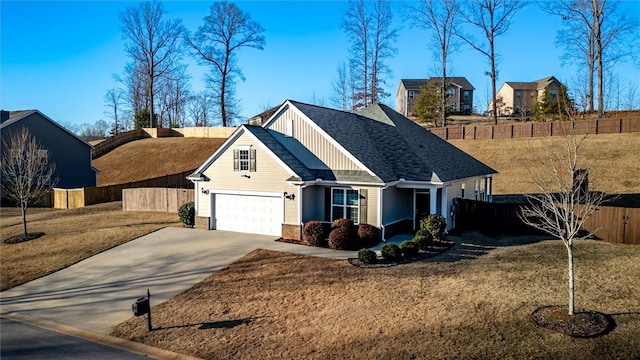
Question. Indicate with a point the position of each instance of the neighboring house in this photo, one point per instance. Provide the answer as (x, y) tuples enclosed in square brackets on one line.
[(70, 154), (459, 95), (308, 162), (521, 98)]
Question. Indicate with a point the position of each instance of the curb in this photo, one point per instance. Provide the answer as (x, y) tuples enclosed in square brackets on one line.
[(127, 345)]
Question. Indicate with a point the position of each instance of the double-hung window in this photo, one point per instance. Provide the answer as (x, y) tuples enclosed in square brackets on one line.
[(345, 204), (244, 159)]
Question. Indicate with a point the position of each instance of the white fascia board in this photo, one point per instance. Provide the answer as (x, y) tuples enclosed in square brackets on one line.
[(418, 184), (331, 140), (233, 137), (268, 151), (276, 114), (247, 192), (331, 182)]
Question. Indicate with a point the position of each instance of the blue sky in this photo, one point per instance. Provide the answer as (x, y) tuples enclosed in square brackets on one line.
[(60, 57)]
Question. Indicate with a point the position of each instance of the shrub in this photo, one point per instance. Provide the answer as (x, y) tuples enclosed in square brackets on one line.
[(187, 214), (313, 233), (409, 248), (367, 256), (391, 251), (342, 223), (435, 224), (369, 235), (423, 239), (340, 238)]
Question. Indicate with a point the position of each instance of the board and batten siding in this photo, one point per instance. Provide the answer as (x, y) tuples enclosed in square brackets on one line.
[(269, 176), (321, 154)]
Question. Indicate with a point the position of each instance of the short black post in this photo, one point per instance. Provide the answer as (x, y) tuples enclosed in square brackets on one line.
[(149, 314)]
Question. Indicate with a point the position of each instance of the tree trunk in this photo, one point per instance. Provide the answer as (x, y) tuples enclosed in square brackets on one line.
[(24, 219), (571, 280), (493, 85), (443, 89)]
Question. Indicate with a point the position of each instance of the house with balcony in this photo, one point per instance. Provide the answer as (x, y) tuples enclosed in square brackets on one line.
[(459, 95)]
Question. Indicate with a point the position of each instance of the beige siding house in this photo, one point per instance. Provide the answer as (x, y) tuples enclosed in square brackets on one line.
[(521, 98), (308, 162)]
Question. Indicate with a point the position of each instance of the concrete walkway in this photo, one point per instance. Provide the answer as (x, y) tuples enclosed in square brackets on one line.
[(96, 293)]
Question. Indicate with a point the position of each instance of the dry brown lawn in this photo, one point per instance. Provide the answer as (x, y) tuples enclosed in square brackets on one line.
[(70, 236), (149, 158), (271, 305), (614, 161)]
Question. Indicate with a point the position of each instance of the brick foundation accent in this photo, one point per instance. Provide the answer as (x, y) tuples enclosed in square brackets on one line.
[(202, 222), (292, 232)]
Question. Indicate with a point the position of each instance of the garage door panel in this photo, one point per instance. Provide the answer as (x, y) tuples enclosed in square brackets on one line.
[(248, 213)]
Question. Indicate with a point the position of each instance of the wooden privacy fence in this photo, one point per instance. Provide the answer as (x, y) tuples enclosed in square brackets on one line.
[(74, 198), (155, 199), (611, 224), (538, 129)]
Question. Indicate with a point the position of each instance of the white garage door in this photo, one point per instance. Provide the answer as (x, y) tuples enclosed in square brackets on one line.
[(248, 213)]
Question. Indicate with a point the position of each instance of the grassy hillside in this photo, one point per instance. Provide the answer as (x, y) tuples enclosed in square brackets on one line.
[(148, 158), (615, 161)]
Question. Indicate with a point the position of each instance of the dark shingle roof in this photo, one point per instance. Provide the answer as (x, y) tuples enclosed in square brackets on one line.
[(415, 84), (394, 147)]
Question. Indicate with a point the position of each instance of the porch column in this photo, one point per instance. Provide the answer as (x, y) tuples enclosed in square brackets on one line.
[(444, 209), (433, 199), (490, 191)]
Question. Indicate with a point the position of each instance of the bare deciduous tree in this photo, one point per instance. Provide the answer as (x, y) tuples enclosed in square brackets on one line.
[(441, 18), (492, 18), (564, 203), (199, 109), (27, 173), (340, 95), (368, 25), (113, 100), (173, 93), (153, 43), (595, 35), (225, 30)]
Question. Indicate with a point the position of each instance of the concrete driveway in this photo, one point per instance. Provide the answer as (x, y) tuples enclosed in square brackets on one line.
[(96, 293)]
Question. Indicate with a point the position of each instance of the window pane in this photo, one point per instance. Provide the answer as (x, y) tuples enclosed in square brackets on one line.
[(244, 154), (338, 213), (338, 196), (352, 197), (352, 213)]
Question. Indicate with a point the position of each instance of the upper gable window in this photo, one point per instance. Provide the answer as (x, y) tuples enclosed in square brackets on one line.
[(288, 128), (244, 159), (411, 94)]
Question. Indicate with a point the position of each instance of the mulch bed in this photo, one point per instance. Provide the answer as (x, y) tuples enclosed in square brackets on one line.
[(437, 248), (22, 238), (582, 324)]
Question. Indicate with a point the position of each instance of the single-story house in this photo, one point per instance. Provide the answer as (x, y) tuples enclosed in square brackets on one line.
[(70, 154), (308, 162)]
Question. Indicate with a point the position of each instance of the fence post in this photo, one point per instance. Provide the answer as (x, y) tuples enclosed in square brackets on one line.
[(512, 131), (463, 132), (474, 131), (620, 132), (597, 123)]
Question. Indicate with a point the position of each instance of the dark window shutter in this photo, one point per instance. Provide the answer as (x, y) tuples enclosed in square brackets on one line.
[(252, 160), (327, 204), (236, 161), (363, 206)]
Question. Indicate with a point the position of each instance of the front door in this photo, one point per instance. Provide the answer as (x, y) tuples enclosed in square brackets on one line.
[(423, 204)]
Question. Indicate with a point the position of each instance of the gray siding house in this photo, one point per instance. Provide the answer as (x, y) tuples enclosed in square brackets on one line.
[(308, 162), (70, 154), (459, 95)]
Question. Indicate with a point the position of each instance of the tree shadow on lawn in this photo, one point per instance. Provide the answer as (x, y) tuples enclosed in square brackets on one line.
[(471, 245), (222, 324)]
